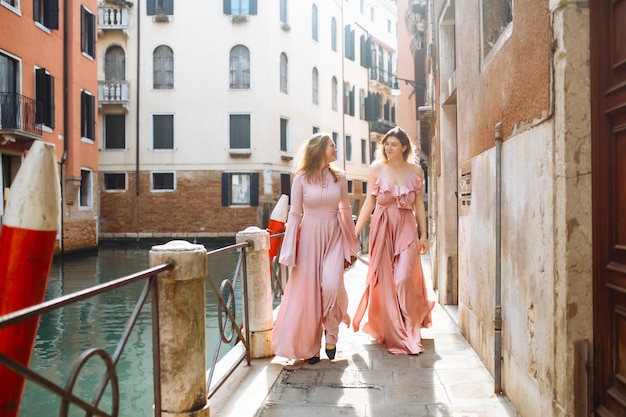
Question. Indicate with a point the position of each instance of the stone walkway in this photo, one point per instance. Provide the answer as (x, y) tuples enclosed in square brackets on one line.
[(446, 380)]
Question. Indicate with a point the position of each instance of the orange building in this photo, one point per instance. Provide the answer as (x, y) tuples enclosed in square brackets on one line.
[(48, 91)]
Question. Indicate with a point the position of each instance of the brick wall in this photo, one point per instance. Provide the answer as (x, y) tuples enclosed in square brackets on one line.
[(194, 207)]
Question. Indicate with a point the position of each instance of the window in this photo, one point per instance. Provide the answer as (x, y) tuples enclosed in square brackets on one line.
[(162, 181), (46, 13), (163, 68), (315, 82), (388, 25), (348, 99), (363, 151), (285, 184), (362, 104), (114, 131), (163, 131), (283, 73), (240, 189), (364, 187), (314, 22), (496, 16), (114, 181), (333, 34), (160, 7), (337, 144), (334, 93), (372, 15), (316, 129), (283, 11), (239, 131), (239, 67), (9, 76), (373, 148), (115, 63), (348, 148), (87, 117), (350, 187), (284, 135), (349, 43), (44, 93), (244, 7), (87, 32), (85, 190)]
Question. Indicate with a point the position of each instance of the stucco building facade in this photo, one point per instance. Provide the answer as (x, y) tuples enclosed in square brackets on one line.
[(526, 195), (203, 106), (48, 88)]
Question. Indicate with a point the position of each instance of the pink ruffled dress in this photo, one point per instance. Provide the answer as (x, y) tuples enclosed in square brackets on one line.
[(395, 298), (315, 298)]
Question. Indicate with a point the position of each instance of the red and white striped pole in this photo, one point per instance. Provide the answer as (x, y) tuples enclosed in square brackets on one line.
[(27, 243), (276, 225)]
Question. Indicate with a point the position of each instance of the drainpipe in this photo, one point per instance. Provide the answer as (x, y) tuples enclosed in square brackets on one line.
[(66, 123), (497, 377), (137, 11)]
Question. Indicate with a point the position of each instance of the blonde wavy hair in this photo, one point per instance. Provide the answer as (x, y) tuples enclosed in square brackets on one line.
[(310, 157)]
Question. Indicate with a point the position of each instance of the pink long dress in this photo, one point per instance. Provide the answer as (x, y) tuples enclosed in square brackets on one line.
[(315, 298), (396, 293)]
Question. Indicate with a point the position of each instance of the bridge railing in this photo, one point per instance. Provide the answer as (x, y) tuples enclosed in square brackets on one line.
[(175, 284)]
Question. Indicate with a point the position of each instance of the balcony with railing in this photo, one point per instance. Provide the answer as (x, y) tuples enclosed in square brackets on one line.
[(17, 118), (114, 15), (381, 77), (113, 92)]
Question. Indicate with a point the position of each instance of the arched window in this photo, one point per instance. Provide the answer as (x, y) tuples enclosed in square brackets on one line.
[(333, 34), (316, 86), (283, 73), (334, 93), (114, 63), (239, 67), (314, 22), (163, 68)]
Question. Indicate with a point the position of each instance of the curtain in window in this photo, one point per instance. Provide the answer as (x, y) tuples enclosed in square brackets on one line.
[(239, 67), (163, 68)]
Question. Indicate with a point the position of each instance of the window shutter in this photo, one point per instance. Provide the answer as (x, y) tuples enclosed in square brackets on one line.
[(151, 8), (168, 7), (225, 187), (51, 14), (49, 106), (369, 108), (91, 33), (40, 94), (253, 7), (227, 8), (352, 101), (254, 189)]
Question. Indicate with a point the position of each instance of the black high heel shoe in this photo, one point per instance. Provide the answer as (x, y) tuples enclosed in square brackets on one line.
[(314, 360), (331, 353)]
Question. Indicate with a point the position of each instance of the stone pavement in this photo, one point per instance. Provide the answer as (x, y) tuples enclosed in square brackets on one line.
[(446, 380)]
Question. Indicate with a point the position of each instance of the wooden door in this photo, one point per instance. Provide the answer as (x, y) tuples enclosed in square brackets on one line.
[(608, 125)]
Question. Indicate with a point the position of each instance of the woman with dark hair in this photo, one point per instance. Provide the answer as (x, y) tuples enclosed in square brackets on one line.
[(319, 238), (395, 294)]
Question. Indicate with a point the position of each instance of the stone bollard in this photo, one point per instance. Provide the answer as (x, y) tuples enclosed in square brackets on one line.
[(182, 329), (259, 291)]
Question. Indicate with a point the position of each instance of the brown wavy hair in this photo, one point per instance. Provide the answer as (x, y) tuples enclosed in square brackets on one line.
[(311, 155)]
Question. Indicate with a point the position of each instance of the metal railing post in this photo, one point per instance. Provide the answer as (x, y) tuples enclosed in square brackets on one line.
[(181, 329), (259, 291)]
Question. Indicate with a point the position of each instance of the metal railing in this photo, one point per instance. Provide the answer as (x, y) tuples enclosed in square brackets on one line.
[(227, 315), (17, 112), (67, 397)]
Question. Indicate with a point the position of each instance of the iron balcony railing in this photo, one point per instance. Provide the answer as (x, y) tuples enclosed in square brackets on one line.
[(18, 114)]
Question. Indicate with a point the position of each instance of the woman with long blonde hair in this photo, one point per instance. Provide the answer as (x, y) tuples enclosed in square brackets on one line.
[(319, 237)]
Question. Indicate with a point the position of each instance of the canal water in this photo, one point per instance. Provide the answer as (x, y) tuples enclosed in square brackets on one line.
[(100, 321)]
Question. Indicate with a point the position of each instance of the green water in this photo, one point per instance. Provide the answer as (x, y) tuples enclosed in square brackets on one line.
[(99, 322)]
